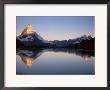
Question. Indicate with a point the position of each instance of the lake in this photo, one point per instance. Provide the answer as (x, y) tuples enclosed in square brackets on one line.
[(55, 61)]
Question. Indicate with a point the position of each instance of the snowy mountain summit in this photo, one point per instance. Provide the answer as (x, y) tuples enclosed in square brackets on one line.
[(30, 37), (27, 30)]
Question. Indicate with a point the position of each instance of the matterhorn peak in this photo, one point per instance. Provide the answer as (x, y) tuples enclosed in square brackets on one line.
[(27, 30)]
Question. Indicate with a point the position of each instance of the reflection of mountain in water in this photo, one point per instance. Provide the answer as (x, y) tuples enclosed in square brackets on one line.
[(28, 56)]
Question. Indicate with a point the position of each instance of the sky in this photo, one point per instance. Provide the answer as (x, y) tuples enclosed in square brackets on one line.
[(58, 27)]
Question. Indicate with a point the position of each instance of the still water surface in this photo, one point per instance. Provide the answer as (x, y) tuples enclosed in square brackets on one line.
[(57, 61)]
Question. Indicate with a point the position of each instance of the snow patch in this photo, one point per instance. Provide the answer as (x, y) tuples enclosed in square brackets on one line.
[(28, 38), (45, 41), (39, 37)]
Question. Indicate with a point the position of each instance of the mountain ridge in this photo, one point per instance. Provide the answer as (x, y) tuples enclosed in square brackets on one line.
[(29, 38)]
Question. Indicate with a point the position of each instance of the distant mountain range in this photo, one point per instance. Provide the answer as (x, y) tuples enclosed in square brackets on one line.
[(30, 39)]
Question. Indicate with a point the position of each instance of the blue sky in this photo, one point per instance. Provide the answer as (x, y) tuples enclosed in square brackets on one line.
[(58, 27)]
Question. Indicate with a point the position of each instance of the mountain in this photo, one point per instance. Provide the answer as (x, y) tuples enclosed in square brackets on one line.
[(88, 44), (79, 39), (30, 38), (71, 42)]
